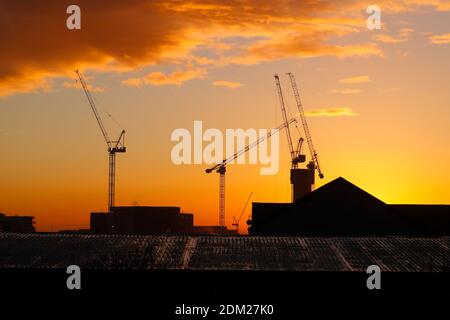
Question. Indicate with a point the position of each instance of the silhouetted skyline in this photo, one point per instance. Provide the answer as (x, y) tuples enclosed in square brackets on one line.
[(376, 100)]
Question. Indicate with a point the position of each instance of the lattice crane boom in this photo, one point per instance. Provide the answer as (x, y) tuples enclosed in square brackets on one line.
[(285, 118), (314, 156), (94, 108)]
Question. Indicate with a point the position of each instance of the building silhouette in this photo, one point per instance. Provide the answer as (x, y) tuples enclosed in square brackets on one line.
[(142, 220), (147, 220), (340, 208), (22, 224)]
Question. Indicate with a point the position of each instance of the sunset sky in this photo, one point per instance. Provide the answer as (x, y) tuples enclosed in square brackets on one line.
[(378, 101)]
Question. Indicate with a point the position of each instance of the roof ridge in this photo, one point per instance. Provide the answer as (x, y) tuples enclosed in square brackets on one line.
[(331, 184)]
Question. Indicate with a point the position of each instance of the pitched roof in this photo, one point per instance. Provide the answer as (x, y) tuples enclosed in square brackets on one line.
[(339, 187), (337, 208)]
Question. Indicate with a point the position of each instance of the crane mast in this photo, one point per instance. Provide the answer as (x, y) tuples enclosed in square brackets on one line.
[(114, 146), (221, 172), (220, 168), (314, 157)]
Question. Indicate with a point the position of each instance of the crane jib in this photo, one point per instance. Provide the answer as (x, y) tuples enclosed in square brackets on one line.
[(117, 146), (250, 146)]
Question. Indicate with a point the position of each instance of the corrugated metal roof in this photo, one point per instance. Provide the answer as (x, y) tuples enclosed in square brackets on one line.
[(224, 252)]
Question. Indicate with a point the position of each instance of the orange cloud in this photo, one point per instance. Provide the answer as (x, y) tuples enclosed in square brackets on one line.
[(25, 84), (346, 91), (128, 35), (192, 6), (77, 85), (228, 84), (358, 79), (159, 78), (440, 39), (402, 37), (440, 5), (391, 6), (331, 112), (301, 45)]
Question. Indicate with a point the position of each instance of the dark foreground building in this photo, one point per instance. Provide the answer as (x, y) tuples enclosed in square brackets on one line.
[(142, 220), (160, 271), (340, 208), (233, 253), (23, 224)]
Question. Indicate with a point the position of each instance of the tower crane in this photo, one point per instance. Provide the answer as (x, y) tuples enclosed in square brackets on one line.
[(296, 156), (314, 163), (300, 185), (236, 222), (220, 168), (114, 146)]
